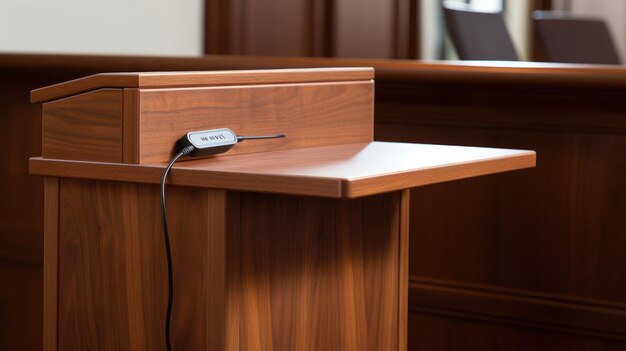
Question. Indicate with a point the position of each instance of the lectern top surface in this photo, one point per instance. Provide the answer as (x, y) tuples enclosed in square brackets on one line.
[(149, 80), (349, 170)]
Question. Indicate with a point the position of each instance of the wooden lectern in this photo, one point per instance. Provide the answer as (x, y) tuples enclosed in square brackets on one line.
[(298, 243)]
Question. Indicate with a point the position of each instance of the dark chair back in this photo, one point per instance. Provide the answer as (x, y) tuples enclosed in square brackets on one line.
[(478, 35), (575, 40)]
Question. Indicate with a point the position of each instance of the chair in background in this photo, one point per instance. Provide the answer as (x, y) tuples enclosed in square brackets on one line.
[(478, 35), (574, 40)]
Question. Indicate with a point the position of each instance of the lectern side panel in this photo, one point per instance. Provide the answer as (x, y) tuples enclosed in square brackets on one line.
[(112, 272), (310, 115), (84, 127), (51, 260), (315, 274)]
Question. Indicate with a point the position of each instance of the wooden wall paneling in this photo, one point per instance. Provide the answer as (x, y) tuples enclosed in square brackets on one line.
[(523, 308), (84, 127), (217, 27), (550, 234), (445, 332), (21, 216), (276, 27), (364, 28), (336, 28)]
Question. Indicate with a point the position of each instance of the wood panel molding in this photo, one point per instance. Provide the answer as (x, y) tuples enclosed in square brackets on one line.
[(530, 309), (467, 109), (335, 28)]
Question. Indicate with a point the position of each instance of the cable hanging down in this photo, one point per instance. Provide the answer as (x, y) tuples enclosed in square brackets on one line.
[(194, 144)]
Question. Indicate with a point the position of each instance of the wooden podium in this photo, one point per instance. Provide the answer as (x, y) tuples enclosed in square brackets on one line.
[(298, 243)]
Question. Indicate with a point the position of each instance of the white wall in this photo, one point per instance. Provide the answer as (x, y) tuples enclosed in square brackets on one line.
[(134, 27), (612, 11), (517, 22)]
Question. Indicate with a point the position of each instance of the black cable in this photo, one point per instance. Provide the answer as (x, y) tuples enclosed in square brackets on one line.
[(170, 280), (259, 137)]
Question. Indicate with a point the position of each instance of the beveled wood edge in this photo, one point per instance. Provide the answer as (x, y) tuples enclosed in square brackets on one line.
[(151, 174), (187, 79), (51, 262), (357, 187), (294, 185)]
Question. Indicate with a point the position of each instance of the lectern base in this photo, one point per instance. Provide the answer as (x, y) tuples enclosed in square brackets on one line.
[(251, 271)]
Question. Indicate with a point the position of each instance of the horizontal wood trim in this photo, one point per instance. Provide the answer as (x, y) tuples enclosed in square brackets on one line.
[(148, 80), (462, 108), (552, 312), (479, 72), (348, 171)]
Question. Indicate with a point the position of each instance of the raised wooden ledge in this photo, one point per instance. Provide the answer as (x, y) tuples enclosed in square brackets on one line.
[(147, 80), (341, 171)]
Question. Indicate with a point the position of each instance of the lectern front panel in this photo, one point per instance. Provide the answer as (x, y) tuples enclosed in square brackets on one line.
[(251, 271)]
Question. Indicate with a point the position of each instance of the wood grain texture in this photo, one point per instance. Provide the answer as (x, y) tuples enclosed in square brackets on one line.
[(51, 264), (351, 170), (131, 127), (84, 127), (436, 332), (470, 103), (148, 80), (315, 274), (549, 312), (309, 114), (403, 279), (342, 28), (252, 272), (112, 277), (552, 231), (21, 216), (512, 74)]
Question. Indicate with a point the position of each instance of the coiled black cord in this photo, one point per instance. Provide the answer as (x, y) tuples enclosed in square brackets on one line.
[(168, 251)]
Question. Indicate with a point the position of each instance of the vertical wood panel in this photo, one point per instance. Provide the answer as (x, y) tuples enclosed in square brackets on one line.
[(335, 28), (51, 260), (112, 273), (364, 28), (403, 280), (317, 274)]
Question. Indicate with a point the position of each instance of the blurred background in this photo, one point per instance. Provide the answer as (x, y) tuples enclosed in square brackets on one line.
[(392, 29)]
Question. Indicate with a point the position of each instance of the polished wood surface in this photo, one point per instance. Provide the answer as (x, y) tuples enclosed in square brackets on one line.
[(319, 289), (84, 127), (333, 285), (112, 279), (308, 114), (148, 80), (51, 263), (351, 170), (551, 106), (549, 240)]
